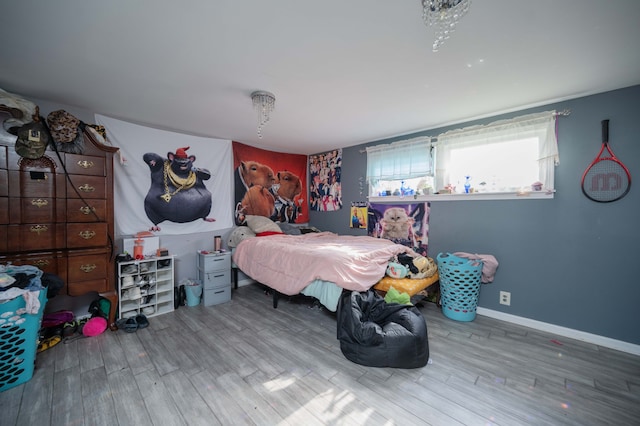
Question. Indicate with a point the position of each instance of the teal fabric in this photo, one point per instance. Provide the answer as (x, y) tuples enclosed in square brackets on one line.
[(326, 292)]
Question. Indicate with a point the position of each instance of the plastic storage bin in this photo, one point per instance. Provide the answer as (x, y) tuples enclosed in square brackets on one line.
[(460, 280), (18, 341)]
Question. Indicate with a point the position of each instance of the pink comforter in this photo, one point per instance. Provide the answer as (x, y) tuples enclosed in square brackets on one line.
[(288, 263)]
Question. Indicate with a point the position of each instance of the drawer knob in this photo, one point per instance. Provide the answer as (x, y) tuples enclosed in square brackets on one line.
[(87, 210), (41, 262), (39, 202), (88, 267), (86, 188), (39, 228), (85, 164), (87, 235)]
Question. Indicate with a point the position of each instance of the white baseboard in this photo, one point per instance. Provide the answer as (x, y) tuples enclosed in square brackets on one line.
[(562, 331)]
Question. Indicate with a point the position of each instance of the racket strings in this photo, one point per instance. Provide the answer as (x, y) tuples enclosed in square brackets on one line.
[(606, 180)]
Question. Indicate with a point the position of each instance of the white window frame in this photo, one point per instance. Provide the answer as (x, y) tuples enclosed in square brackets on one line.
[(540, 125)]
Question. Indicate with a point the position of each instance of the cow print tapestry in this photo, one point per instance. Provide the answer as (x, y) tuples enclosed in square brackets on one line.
[(270, 184), (167, 182)]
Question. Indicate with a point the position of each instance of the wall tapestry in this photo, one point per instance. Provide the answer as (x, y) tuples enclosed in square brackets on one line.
[(325, 190), (406, 224), (359, 215), (270, 184), (168, 182)]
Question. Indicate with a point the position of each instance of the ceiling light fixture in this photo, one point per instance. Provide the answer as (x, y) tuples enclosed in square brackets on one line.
[(264, 103), (443, 15)]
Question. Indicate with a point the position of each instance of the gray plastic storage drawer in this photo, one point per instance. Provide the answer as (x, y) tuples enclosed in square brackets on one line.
[(216, 296), (215, 279), (213, 262)]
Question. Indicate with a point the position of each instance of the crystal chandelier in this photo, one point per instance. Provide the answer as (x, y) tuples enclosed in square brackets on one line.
[(443, 15), (264, 103)]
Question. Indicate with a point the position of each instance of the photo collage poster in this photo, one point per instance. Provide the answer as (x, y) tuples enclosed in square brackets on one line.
[(325, 189)]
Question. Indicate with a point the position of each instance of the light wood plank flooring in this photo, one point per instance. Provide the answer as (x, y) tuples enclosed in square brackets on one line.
[(245, 363)]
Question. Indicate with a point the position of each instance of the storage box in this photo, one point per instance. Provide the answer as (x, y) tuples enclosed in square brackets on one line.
[(151, 245), (216, 296)]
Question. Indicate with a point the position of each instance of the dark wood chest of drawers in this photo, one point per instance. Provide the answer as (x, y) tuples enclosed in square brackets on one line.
[(56, 212)]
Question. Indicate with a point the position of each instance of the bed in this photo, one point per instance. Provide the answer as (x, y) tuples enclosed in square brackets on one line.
[(315, 264)]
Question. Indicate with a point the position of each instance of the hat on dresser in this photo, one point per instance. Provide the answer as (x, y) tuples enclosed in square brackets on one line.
[(63, 126), (32, 139), (66, 131)]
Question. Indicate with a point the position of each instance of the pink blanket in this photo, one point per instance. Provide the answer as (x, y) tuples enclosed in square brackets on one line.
[(288, 263)]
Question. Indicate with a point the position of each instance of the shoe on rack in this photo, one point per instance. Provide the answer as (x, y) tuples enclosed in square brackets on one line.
[(129, 269), (127, 282)]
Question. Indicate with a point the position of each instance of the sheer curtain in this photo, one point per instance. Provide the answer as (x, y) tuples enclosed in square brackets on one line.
[(399, 160), (539, 125)]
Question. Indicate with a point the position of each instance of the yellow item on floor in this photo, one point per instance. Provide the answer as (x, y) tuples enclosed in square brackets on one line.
[(49, 343), (406, 285)]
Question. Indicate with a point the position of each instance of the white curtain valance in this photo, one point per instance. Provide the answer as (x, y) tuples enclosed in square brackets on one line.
[(540, 125), (399, 160)]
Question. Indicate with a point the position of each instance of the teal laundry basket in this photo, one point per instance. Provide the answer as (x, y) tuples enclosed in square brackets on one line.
[(18, 340), (460, 281)]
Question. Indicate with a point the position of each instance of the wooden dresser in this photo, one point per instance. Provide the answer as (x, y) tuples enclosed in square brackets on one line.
[(56, 212)]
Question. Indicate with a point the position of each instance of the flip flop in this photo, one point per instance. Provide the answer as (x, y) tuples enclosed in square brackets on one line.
[(142, 321), (49, 343), (127, 324)]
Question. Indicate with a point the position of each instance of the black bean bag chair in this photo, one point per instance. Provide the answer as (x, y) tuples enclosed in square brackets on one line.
[(379, 334)]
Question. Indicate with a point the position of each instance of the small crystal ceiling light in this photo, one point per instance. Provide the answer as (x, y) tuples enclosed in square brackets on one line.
[(443, 15), (264, 103)]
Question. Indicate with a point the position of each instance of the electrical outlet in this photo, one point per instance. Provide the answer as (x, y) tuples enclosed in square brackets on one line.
[(505, 298)]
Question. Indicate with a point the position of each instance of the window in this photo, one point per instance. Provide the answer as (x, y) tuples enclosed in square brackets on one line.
[(400, 168), (504, 157)]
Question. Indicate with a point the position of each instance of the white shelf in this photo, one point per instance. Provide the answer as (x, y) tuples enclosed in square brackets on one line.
[(151, 280)]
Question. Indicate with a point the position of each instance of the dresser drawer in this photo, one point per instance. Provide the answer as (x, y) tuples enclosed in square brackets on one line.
[(51, 262), (81, 235), (87, 210), (4, 211), (4, 183), (33, 184), (85, 268), (85, 165), (87, 187), (37, 236), (81, 288), (35, 210)]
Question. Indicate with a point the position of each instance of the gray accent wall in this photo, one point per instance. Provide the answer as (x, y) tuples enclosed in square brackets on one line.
[(567, 261)]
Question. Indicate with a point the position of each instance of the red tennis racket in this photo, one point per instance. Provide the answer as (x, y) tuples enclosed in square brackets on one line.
[(606, 179)]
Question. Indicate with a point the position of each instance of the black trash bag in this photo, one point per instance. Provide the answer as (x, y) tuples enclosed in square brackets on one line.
[(379, 334)]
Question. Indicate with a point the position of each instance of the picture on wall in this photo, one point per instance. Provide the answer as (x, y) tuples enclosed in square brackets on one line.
[(167, 182), (359, 215), (325, 191), (404, 223), (270, 184)]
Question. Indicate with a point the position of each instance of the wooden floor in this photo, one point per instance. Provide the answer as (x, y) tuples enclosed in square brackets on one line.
[(245, 363)]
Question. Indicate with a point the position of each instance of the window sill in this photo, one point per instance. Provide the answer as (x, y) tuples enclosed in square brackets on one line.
[(476, 196)]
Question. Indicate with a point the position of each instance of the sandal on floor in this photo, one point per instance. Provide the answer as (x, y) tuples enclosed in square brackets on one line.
[(69, 328), (142, 321), (127, 324), (49, 343)]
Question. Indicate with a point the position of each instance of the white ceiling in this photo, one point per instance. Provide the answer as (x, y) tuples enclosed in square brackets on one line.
[(344, 72)]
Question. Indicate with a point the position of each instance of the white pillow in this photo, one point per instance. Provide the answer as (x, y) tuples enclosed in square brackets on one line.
[(259, 224)]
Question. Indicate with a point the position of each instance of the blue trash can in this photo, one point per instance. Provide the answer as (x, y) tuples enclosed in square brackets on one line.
[(460, 281), (193, 290)]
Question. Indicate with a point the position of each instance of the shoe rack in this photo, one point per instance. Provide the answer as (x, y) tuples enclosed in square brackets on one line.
[(145, 287)]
